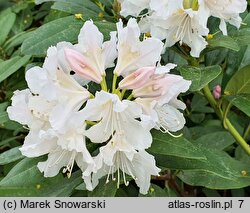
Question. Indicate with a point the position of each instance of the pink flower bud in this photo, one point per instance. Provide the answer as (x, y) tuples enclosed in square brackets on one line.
[(217, 92), (82, 66), (138, 78)]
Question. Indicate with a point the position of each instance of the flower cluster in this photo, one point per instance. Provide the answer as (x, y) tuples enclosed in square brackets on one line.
[(184, 21), (64, 117)]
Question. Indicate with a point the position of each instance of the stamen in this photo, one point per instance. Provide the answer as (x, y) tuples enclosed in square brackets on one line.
[(113, 172), (118, 176), (124, 175), (70, 165), (58, 159), (164, 130), (129, 170), (175, 136), (26, 127), (107, 180)]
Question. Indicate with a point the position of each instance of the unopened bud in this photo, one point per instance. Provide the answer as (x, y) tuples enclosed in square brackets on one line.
[(217, 92)]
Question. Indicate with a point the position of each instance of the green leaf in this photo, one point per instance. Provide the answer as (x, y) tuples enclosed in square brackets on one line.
[(241, 155), (6, 141), (199, 104), (197, 117), (10, 66), (241, 101), (240, 82), (105, 28), (235, 61), (216, 57), (242, 36), (63, 29), (219, 171), (7, 20), (200, 77), (60, 187), (3, 106), (166, 145), (41, 1), (198, 131), (81, 187), (210, 192), (25, 174), (17, 191), (16, 40), (86, 7), (224, 41), (23, 21), (10, 156), (156, 191), (3, 114), (3, 117), (216, 140), (104, 189)]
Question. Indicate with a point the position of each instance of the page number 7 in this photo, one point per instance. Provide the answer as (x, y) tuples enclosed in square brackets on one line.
[(241, 202)]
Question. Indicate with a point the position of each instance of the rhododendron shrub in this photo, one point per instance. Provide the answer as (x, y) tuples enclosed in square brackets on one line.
[(124, 98)]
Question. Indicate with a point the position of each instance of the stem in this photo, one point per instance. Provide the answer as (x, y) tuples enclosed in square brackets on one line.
[(104, 84), (227, 122), (130, 97), (123, 93), (238, 137), (193, 62), (211, 100), (225, 115), (247, 132), (91, 96), (114, 83)]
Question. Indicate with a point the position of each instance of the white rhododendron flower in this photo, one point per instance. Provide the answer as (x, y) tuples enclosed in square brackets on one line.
[(116, 117), (157, 94), (125, 135), (133, 53), (131, 7), (91, 56), (64, 117), (46, 116), (227, 11), (185, 21)]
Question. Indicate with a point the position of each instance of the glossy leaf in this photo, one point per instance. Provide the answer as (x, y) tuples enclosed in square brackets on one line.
[(156, 191), (7, 20), (26, 175), (12, 65), (63, 29), (224, 41), (104, 189), (242, 36), (85, 7), (200, 77), (164, 144), (240, 82), (217, 171), (241, 101), (217, 140), (10, 156)]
